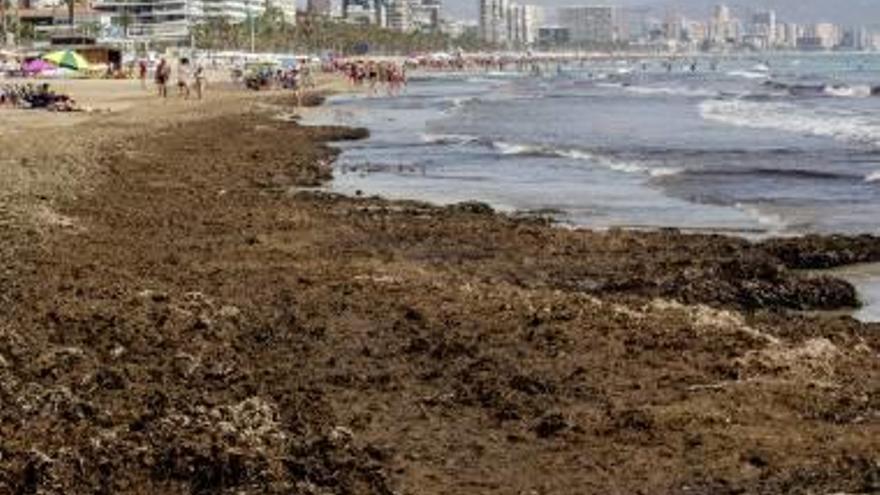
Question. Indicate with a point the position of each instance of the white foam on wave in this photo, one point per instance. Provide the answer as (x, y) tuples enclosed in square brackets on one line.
[(848, 91), (748, 74), (772, 222), (873, 177), (582, 155), (515, 148), (791, 118), (671, 91)]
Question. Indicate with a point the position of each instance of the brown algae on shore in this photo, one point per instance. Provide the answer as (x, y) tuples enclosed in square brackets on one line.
[(258, 341)]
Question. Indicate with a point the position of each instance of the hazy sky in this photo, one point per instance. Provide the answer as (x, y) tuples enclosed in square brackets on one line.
[(842, 11)]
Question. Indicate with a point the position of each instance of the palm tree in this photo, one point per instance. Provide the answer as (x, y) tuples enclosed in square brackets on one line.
[(4, 23), (70, 12)]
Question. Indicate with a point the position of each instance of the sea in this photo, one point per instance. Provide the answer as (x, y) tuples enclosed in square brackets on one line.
[(754, 145)]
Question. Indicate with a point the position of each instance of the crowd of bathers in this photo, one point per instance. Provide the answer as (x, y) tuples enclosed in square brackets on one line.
[(373, 74), (36, 96)]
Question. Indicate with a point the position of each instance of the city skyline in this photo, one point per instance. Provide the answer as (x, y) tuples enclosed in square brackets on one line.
[(847, 12)]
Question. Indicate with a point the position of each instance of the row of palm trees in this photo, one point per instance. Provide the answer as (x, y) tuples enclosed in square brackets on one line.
[(317, 33)]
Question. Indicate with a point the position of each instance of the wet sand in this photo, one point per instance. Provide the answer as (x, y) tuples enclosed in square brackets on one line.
[(180, 317)]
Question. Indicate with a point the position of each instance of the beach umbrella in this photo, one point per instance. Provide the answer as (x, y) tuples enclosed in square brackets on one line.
[(36, 66), (68, 59)]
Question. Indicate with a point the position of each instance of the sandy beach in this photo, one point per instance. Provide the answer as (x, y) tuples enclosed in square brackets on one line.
[(184, 311)]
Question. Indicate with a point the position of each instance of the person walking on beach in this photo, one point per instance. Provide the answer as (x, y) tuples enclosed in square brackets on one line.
[(142, 73), (199, 76), (163, 73), (183, 78)]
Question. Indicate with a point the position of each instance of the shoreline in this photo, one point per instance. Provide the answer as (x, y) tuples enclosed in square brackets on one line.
[(182, 322), (869, 311)]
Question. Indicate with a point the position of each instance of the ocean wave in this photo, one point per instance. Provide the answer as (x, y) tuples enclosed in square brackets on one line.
[(810, 90), (791, 118), (797, 173), (671, 91), (844, 91), (449, 139), (748, 74), (520, 149), (873, 177)]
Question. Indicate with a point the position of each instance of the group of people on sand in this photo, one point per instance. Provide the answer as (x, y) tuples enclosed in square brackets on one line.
[(36, 96), (189, 80), (374, 75)]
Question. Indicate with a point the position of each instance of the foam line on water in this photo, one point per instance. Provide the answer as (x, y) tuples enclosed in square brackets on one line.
[(671, 91)]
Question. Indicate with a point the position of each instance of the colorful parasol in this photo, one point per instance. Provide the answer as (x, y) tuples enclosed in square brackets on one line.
[(68, 59)]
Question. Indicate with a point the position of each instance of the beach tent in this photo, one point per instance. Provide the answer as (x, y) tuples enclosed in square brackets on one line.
[(68, 59)]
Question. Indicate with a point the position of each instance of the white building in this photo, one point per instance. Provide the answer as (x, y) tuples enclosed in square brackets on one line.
[(529, 20), (763, 32), (494, 21), (509, 24), (365, 12), (425, 15), (399, 16), (596, 24), (173, 20), (723, 28), (234, 11), (169, 20)]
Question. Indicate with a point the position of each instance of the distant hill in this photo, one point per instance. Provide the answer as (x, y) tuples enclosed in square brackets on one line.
[(847, 12)]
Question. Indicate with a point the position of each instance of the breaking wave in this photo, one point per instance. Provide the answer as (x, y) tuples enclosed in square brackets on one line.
[(748, 74), (873, 177), (849, 91), (787, 117), (519, 149)]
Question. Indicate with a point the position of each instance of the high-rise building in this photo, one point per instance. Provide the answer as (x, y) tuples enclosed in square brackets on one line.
[(788, 35), (365, 12), (723, 28), (637, 23), (763, 29), (599, 25), (153, 19), (425, 15), (507, 23), (399, 15), (494, 21)]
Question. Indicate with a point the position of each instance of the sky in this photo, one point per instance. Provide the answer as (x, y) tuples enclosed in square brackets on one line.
[(855, 12)]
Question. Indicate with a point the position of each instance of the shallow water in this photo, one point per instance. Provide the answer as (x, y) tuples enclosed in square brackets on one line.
[(739, 149), (866, 279), (791, 150)]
